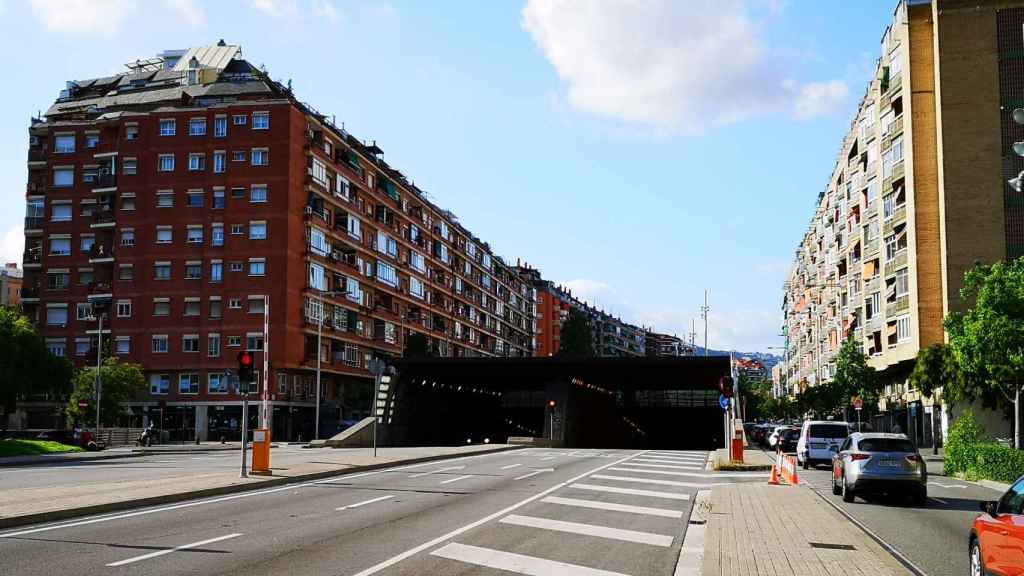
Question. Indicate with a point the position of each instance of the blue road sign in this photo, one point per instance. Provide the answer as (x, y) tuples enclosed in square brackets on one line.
[(723, 401)]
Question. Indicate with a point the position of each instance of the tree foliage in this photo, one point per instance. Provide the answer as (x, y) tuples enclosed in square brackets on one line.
[(936, 367), (853, 377), (121, 382), (576, 336), (26, 366)]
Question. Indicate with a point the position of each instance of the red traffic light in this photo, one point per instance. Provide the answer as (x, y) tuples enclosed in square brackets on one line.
[(725, 386), (245, 358), (551, 403)]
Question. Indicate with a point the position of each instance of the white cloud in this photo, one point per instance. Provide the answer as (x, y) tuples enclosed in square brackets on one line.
[(188, 10), (588, 290), (83, 17), (325, 9), (660, 63), (820, 98), (275, 8), (3, 6), (12, 245)]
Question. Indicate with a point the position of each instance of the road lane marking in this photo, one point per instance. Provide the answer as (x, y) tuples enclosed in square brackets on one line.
[(445, 469), (219, 499), (510, 466), (534, 473), (631, 491), (691, 553), (365, 502), (669, 466), (548, 458), (939, 500), (930, 483), (634, 536), (750, 475), (456, 479), (646, 480), (170, 550), (517, 563), (599, 505), (680, 461), (448, 536)]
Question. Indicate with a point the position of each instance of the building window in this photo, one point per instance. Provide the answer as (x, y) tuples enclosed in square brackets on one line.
[(319, 172), (342, 187), (237, 229), (162, 271), (254, 342), (190, 343), (234, 341), (60, 213), (217, 383), (126, 272), (124, 345), (261, 120), (219, 162), (56, 347), (124, 308), (220, 126), (64, 144), (64, 177), (197, 127), (60, 246), (128, 203), (159, 383), (260, 157), (418, 262), (257, 230), (218, 199), (85, 276), (257, 267), (316, 277), (318, 242), (216, 308), (130, 166), (160, 344), (213, 345), (82, 346), (902, 283), (164, 235), (238, 156), (166, 163), (92, 140), (903, 328), (131, 132), (239, 119), (416, 287), (354, 227), (188, 384), (216, 271), (168, 127), (194, 200), (161, 307), (83, 311), (235, 304), (196, 162), (217, 235), (256, 305), (258, 193), (386, 273), (193, 271), (236, 266), (165, 199), (387, 245), (194, 234), (57, 315)]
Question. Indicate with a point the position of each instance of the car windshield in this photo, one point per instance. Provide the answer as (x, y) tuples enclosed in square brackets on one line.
[(885, 445), (792, 434), (828, 431)]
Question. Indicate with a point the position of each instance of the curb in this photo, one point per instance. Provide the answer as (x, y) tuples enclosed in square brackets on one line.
[(54, 515), (60, 460)]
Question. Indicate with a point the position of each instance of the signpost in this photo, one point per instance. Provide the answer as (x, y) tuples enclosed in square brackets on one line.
[(858, 405)]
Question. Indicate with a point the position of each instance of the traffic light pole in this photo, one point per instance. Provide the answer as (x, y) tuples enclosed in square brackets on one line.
[(245, 430)]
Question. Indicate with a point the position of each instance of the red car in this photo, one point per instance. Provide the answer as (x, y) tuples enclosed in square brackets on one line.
[(997, 538)]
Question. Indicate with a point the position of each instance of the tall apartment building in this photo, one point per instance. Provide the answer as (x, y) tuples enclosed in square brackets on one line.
[(917, 195), (666, 345), (181, 200), (10, 284)]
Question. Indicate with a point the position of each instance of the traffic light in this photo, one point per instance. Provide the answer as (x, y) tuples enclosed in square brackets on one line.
[(245, 362), (551, 404), (725, 386)]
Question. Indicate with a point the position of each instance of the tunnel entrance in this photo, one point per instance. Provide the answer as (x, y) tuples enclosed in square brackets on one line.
[(664, 403)]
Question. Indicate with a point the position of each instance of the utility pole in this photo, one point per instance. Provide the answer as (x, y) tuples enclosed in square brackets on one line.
[(319, 353), (704, 314), (266, 361), (99, 364)]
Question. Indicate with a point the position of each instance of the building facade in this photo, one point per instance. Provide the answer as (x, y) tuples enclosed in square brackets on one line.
[(191, 201), (917, 195), (665, 345), (10, 285)]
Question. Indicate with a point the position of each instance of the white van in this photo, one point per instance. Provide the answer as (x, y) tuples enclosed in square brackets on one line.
[(818, 441)]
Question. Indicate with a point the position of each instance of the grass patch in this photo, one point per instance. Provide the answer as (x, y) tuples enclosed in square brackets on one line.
[(33, 448), (737, 467)]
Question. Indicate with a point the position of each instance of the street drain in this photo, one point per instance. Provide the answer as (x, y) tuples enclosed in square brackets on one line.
[(828, 546)]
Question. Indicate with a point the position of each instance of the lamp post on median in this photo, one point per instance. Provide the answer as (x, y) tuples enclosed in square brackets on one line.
[(319, 350)]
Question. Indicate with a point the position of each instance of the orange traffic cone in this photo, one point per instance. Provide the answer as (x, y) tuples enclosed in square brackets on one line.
[(774, 478)]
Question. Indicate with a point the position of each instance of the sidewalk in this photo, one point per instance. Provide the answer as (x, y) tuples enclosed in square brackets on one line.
[(755, 529), (48, 503), (120, 452)]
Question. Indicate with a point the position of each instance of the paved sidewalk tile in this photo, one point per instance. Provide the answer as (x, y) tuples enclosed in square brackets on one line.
[(757, 529)]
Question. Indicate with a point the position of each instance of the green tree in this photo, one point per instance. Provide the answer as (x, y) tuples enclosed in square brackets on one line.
[(935, 367), (26, 366), (854, 377), (576, 336), (988, 339), (121, 382), (416, 346)]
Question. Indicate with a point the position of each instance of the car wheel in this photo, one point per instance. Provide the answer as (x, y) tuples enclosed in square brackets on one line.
[(977, 563), (836, 490), (807, 463), (848, 494), (920, 497)]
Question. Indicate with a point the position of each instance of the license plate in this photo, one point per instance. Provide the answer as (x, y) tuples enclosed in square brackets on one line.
[(889, 462), (819, 446)]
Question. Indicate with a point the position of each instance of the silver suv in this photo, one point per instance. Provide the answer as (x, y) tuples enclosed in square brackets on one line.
[(877, 463)]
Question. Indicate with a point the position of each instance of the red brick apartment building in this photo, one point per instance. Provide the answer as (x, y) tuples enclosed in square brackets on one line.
[(179, 200)]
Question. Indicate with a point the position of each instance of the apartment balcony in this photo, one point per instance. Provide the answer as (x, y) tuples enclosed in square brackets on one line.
[(899, 169), (33, 223), (895, 85), (30, 294), (104, 182), (896, 126), (100, 291), (103, 217), (101, 253), (902, 304), (871, 285), (37, 155), (871, 249)]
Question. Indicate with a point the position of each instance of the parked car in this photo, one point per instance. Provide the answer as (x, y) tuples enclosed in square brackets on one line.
[(773, 439), (789, 439), (879, 463), (818, 441), (996, 541)]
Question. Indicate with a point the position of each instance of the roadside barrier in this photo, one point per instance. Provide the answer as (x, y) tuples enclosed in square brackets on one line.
[(784, 468)]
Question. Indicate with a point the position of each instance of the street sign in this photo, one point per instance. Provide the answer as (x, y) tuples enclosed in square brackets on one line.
[(83, 404), (858, 404), (723, 401)]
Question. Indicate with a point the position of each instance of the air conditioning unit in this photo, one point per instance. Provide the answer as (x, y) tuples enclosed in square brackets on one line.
[(309, 209)]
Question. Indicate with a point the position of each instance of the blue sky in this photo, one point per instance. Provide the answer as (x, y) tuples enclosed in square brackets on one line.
[(638, 151)]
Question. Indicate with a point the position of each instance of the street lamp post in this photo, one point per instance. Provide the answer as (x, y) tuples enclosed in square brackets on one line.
[(704, 314), (99, 364), (319, 350)]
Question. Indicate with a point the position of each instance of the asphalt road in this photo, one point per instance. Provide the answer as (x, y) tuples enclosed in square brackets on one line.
[(534, 511), (933, 537)]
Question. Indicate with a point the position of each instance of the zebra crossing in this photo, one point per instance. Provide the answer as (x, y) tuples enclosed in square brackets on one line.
[(625, 518)]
